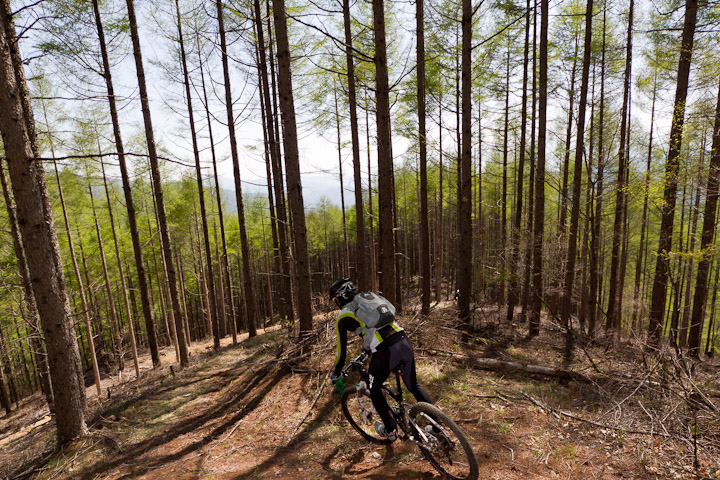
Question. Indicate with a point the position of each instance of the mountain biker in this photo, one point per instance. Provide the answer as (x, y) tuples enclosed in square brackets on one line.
[(389, 345)]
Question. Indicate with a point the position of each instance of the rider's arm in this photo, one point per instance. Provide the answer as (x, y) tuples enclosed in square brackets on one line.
[(346, 322)]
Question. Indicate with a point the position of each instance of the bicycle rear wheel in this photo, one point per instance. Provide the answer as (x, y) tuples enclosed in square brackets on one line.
[(443, 443), (360, 412)]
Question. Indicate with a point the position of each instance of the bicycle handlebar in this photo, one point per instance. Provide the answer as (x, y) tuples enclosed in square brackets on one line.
[(356, 362)]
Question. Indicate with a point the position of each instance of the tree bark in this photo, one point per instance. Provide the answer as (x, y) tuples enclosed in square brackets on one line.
[(577, 182), (708, 231), (292, 166), (515, 243), (158, 189), (244, 245), (214, 304), (614, 310), (465, 174), (672, 167), (539, 220), (385, 161), (362, 260), (129, 202), (37, 227), (28, 297), (422, 138), (108, 288), (225, 265)]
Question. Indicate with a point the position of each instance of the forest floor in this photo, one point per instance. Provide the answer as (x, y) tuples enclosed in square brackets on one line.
[(264, 409)]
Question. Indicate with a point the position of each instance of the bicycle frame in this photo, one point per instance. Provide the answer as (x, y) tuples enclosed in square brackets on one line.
[(399, 412)]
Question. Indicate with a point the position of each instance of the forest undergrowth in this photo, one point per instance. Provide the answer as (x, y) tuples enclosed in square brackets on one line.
[(264, 409)]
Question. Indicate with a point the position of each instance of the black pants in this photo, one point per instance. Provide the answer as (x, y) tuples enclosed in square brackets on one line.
[(385, 360)]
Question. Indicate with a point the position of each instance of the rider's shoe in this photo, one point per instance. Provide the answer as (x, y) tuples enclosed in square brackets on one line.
[(380, 429)]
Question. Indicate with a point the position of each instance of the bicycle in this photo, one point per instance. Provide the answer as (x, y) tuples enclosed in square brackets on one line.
[(439, 439)]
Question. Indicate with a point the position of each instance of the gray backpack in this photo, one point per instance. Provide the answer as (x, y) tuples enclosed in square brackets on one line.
[(373, 310)]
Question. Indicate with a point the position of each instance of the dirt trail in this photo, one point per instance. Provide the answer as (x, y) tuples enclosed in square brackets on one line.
[(241, 413)]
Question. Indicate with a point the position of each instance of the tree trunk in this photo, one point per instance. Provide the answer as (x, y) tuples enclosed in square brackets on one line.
[(562, 214), (422, 137), (515, 242), (577, 183), (614, 310), (539, 221), (362, 260), (346, 248), (373, 260), (129, 202), (28, 297), (672, 166), (108, 287), (595, 274), (529, 246), (644, 220), (249, 284), (385, 161), (708, 231), (272, 117), (292, 166), (218, 197), (215, 319), (158, 190), (465, 195), (37, 227)]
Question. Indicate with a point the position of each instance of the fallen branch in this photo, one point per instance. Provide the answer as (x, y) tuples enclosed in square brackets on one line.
[(312, 405), (494, 364), (557, 413)]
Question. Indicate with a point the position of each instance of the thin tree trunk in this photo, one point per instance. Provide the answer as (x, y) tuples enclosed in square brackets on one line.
[(346, 248), (129, 202), (122, 276), (465, 173), (687, 278), (249, 284), (539, 221), (108, 288), (218, 197), (644, 220), (81, 288), (361, 257), (422, 137), (215, 319), (614, 309), (594, 300), (371, 216), (515, 233), (562, 214), (159, 276), (529, 245), (158, 190), (710, 341), (577, 183), (672, 166), (708, 231)]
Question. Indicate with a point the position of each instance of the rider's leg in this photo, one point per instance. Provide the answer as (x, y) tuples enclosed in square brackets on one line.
[(379, 371), (403, 349)]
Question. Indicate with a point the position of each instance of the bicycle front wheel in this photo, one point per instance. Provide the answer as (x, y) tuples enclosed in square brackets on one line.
[(360, 412), (443, 443)]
